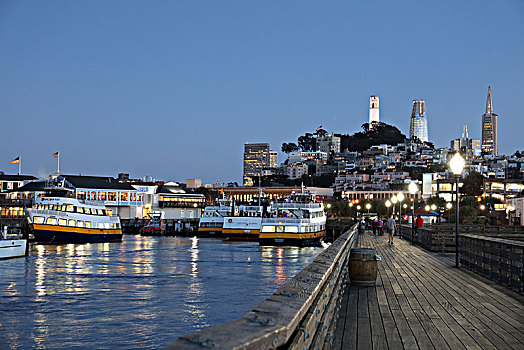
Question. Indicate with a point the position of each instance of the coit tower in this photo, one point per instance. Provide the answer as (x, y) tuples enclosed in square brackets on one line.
[(373, 111)]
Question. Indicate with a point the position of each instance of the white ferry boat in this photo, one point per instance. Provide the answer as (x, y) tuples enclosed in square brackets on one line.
[(212, 220), (244, 226), (68, 220), (297, 221)]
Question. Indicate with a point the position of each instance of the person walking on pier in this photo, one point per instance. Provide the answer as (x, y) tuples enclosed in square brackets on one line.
[(392, 226), (374, 226)]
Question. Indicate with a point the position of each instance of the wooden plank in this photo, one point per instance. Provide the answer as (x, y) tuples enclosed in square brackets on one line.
[(363, 322), (349, 340)]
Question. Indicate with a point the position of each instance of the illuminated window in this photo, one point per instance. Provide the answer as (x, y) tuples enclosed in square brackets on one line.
[(80, 210), (69, 208), (38, 219), (51, 221), (111, 196), (62, 222), (123, 196), (88, 224), (80, 223), (100, 211), (71, 222), (268, 228), (100, 225), (291, 229)]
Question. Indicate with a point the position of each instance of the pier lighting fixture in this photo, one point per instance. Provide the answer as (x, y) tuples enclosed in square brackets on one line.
[(449, 205), (394, 200), (457, 165), (358, 207), (427, 207), (350, 205), (388, 204), (433, 207), (368, 206), (405, 206), (400, 197), (413, 189), (328, 206), (482, 207)]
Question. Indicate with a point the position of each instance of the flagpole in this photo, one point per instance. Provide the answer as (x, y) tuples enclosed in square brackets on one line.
[(58, 170), (19, 165)]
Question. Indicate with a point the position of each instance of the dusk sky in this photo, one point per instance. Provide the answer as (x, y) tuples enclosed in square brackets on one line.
[(175, 88)]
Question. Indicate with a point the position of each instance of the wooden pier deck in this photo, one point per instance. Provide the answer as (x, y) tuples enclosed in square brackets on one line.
[(421, 301)]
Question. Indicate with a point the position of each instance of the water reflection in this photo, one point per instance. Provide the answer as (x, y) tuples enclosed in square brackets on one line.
[(141, 293)]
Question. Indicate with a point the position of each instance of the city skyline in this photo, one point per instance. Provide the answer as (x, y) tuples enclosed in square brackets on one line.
[(176, 90)]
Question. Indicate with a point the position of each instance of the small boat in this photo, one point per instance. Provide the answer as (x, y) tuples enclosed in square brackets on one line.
[(245, 226), (155, 226), (297, 221), (212, 220), (12, 248)]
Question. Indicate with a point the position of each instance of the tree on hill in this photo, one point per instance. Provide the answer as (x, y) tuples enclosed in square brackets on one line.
[(289, 147), (382, 133), (307, 142), (473, 184)]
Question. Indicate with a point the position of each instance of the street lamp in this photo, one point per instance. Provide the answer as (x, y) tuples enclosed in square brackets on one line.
[(427, 207), (388, 204), (457, 165), (413, 189), (433, 207), (368, 206), (400, 197), (482, 207), (448, 207), (394, 200)]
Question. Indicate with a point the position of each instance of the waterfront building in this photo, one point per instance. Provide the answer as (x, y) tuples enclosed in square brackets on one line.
[(248, 194), (374, 111), (256, 158), (328, 143), (372, 194), (175, 202), (489, 128), (418, 126), (12, 182), (468, 145), (296, 170), (194, 183)]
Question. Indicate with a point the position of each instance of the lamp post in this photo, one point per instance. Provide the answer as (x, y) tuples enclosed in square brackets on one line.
[(394, 200), (413, 189), (368, 206), (400, 197), (388, 204), (448, 207), (457, 165)]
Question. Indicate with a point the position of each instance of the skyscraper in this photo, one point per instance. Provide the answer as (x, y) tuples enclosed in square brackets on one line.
[(418, 125), (466, 144), (374, 116), (489, 128), (256, 158)]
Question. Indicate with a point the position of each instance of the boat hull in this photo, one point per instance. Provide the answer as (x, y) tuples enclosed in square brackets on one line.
[(240, 235), (291, 239), (71, 235), (207, 232), (13, 248)]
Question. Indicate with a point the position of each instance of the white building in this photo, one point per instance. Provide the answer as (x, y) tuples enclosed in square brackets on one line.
[(374, 112), (328, 143)]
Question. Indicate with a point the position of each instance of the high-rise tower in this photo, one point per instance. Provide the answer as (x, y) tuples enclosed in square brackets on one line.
[(489, 128), (374, 116), (418, 125)]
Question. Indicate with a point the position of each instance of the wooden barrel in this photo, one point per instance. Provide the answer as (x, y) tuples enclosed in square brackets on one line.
[(363, 266)]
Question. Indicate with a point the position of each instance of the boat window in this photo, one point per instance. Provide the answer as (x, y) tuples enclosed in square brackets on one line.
[(62, 222), (87, 211), (51, 221), (38, 219), (100, 225), (291, 228), (88, 224), (280, 228), (113, 225), (268, 228), (109, 212), (106, 225), (79, 223), (69, 208), (71, 222), (80, 210), (63, 207), (117, 225), (100, 211)]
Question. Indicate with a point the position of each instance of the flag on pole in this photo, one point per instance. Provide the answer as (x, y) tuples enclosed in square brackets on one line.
[(319, 128), (55, 155), (15, 161)]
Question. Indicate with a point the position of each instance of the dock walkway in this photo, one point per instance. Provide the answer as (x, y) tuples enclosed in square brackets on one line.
[(421, 301)]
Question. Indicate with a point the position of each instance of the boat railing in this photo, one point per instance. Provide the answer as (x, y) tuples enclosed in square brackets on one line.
[(283, 221), (291, 205)]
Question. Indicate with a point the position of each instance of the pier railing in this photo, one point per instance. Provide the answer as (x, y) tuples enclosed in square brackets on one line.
[(500, 260), (301, 314)]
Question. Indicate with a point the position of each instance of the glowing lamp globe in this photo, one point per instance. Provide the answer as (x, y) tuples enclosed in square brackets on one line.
[(457, 164), (413, 188)]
